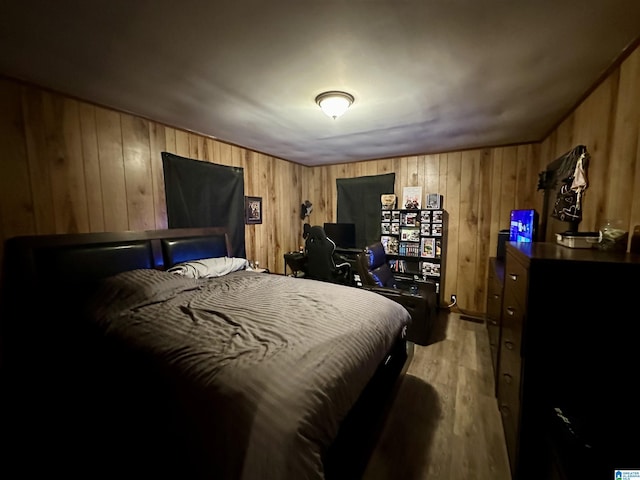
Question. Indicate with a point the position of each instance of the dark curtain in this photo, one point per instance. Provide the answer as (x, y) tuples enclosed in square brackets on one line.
[(203, 194), (359, 203)]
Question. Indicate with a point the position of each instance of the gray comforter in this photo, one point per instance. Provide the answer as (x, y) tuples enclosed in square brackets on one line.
[(267, 365)]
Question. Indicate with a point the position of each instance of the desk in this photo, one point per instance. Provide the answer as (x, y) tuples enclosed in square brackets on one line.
[(348, 252), (351, 256), (296, 261)]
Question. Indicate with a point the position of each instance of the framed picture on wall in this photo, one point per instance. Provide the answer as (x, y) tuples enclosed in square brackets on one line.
[(252, 210)]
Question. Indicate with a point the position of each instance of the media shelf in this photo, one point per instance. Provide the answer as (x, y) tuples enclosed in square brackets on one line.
[(414, 240)]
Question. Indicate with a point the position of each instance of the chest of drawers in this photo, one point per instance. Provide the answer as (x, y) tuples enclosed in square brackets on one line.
[(494, 307), (509, 375), (566, 345)]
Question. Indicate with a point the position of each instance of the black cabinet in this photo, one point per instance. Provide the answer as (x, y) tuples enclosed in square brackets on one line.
[(415, 242), (567, 361)]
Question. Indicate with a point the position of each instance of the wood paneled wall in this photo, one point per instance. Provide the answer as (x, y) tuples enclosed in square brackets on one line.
[(608, 123), (480, 187), (70, 166)]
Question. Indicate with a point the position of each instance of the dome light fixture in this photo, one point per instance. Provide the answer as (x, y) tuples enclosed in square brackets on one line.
[(334, 103)]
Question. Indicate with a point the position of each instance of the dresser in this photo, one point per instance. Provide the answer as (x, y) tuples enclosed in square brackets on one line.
[(495, 283), (567, 362)]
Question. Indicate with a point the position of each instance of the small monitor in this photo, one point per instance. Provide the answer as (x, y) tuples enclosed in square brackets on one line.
[(523, 225), (342, 234)]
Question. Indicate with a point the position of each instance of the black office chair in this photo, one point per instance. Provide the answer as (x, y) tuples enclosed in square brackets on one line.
[(419, 298), (322, 262)]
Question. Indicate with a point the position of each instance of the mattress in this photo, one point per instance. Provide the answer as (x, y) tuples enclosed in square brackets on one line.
[(266, 366)]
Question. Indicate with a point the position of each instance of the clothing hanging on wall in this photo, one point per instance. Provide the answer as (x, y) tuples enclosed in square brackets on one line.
[(569, 172)]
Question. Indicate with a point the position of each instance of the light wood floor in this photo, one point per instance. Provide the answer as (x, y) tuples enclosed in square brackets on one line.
[(444, 423)]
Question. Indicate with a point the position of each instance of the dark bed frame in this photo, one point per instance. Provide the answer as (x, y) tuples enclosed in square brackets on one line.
[(62, 381), (90, 256)]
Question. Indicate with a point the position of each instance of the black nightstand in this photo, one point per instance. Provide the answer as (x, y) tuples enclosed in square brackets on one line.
[(297, 262)]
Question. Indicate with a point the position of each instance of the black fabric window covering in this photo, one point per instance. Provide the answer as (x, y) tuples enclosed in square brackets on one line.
[(204, 194), (359, 203)]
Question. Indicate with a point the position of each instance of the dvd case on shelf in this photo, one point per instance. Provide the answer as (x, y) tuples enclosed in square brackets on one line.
[(388, 201), (414, 240), (428, 247), (433, 201), (390, 244), (410, 234), (430, 269), (409, 219), (409, 249), (412, 198)]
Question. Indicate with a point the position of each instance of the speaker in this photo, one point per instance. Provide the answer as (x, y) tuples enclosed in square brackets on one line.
[(503, 238)]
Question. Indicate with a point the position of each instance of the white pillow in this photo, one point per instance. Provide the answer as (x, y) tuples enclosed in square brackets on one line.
[(209, 267)]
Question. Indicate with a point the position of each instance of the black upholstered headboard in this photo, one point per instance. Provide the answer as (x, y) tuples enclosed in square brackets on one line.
[(46, 280), (81, 258), (176, 250)]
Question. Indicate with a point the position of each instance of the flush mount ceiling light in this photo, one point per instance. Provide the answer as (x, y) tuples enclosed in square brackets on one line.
[(334, 103)]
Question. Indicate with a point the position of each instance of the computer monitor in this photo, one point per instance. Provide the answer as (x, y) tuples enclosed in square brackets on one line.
[(523, 226), (342, 234)]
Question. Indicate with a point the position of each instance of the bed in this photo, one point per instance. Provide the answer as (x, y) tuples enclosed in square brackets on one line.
[(120, 361)]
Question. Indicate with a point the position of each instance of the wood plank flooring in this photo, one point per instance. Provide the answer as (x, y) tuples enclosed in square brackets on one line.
[(444, 423)]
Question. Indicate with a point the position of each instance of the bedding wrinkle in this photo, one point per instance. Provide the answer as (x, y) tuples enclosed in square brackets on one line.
[(243, 338), (285, 358)]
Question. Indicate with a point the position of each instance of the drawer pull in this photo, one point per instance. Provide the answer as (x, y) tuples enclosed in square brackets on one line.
[(513, 276), (496, 296), (511, 311), (508, 344), (493, 322), (504, 409), (507, 378)]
